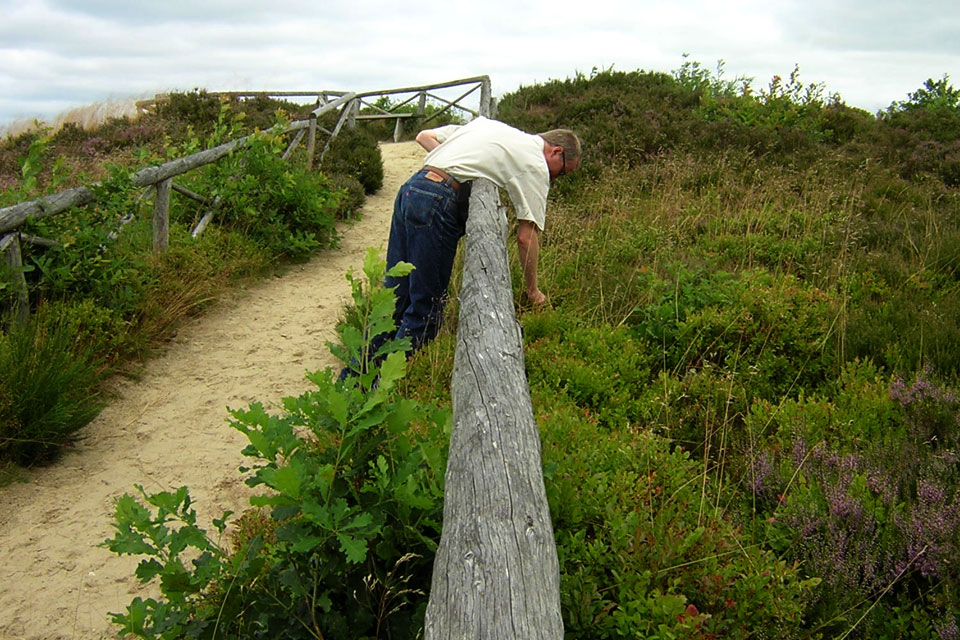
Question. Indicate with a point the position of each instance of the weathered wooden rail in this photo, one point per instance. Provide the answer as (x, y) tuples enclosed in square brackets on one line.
[(160, 178), (496, 575)]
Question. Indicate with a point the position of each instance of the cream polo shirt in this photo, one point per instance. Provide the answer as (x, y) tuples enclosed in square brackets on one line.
[(508, 157)]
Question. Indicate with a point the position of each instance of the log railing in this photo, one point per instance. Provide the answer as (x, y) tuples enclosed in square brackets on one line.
[(160, 178), (496, 575)]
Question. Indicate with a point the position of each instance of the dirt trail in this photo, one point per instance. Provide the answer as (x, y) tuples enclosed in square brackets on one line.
[(169, 429)]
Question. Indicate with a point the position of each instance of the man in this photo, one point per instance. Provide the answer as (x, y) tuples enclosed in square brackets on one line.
[(429, 215)]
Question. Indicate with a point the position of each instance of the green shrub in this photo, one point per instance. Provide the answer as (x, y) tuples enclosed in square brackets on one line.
[(600, 369), (351, 510), (48, 389), (643, 551), (93, 259), (352, 198), (354, 152), (771, 331), (286, 209)]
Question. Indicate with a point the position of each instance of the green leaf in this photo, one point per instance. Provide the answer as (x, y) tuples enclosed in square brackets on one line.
[(176, 580), (286, 480), (147, 570), (136, 616), (361, 521), (400, 270), (221, 522), (307, 544), (318, 514), (392, 369), (402, 415), (187, 537), (355, 550), (337, 405)]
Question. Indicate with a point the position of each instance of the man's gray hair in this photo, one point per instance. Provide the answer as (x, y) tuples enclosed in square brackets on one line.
[(566, 139)]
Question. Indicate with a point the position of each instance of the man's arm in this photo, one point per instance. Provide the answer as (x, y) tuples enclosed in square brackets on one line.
[(428, 140), (528, 242)]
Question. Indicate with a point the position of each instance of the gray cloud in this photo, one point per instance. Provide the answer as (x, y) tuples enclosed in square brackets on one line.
[(60, 53)]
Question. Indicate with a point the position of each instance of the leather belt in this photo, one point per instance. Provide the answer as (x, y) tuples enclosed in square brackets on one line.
[(439, 175)]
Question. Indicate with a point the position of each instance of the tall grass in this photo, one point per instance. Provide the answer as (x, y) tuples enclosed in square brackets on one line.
[(49, 389), (777, 305), (112, 297)]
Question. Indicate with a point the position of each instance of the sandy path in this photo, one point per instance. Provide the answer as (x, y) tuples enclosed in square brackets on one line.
[(169, 429)]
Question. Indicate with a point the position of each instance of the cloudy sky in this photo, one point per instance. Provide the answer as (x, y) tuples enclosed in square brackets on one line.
[(59, 54)]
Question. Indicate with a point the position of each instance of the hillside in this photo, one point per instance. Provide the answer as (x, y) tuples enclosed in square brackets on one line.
[(167, 428), (747, 382)]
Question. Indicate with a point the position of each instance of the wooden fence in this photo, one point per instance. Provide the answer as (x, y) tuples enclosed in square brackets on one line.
[(160, 178), (496, 575)]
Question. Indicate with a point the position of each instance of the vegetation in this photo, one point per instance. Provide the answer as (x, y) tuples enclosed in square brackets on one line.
[(747, 387), (104, 297), (342, 542), (755, 302)]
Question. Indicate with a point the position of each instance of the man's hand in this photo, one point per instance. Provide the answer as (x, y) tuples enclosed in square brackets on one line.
[(536, 297)]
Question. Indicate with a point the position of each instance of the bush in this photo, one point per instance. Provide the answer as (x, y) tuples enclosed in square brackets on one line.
[(354, 152), (351, 512), (353, 195), (862, 490), (771, 332), (644, 553), (287, 210), (48, 389)]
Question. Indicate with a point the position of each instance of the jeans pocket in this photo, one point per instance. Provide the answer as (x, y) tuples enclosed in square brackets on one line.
[(421, 207)]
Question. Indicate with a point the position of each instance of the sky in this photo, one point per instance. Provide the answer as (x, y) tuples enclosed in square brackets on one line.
[(56, 55)]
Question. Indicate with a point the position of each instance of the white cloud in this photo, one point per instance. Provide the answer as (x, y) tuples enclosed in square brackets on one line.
[(57, 53)]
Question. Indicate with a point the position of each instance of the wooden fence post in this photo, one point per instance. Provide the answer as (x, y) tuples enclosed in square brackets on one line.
[(311, 140), (161, 216), (353, 108), (10, 247), (496, 575), (485, 98)]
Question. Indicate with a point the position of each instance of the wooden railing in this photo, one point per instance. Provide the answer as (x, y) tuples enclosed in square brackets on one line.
[(160, 178), (496, 574)]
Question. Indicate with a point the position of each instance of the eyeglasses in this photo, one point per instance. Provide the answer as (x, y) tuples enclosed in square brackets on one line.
[(563, 165)]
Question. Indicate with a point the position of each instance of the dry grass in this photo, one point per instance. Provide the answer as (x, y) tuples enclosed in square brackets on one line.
[(87, 117)]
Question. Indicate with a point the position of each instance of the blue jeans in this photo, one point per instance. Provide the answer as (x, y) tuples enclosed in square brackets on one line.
[(424, 231)]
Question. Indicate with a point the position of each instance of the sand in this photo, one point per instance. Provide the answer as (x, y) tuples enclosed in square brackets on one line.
[(168, 428)]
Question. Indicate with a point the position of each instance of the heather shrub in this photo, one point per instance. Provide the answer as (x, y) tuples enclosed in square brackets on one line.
[(643, 550), (196, 108), (354, 152), (628, 116), (861, 490)]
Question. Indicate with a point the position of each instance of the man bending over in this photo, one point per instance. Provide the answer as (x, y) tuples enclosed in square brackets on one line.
[(430, 211)]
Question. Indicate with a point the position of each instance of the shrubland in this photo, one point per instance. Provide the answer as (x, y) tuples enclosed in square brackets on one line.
[(101, 297), (745, 383)]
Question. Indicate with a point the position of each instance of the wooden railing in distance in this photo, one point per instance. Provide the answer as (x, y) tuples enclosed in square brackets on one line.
[(496, 575), (159, 177)]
